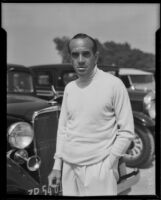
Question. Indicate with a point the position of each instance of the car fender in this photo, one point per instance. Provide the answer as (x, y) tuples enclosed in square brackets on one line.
[(144, 121), (18, 180)]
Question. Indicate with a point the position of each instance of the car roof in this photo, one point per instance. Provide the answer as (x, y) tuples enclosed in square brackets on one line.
[(68, 66), (132, 71), (16, 66), (43, 66)]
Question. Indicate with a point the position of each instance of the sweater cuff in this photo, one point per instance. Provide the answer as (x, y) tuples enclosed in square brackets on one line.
[(57, 164), (113, 158), (120, 146)]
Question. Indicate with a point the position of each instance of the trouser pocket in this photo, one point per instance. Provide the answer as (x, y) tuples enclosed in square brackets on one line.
[(115, 171), (114, 168)]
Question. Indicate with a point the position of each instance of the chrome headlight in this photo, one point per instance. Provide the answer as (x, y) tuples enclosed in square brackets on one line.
[(149, 102), (152, 110), (20, 135)]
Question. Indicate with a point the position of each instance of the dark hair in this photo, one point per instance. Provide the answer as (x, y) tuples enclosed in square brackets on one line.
[(82, 36)]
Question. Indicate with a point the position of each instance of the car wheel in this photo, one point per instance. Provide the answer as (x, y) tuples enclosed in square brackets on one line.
[(141, 150)]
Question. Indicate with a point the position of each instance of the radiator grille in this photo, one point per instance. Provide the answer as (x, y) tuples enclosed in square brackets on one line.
[(45, 127)]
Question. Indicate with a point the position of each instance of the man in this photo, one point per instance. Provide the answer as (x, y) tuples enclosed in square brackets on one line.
[(95, 126)]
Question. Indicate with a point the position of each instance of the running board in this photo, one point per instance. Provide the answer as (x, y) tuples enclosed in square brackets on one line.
[(127, 181)]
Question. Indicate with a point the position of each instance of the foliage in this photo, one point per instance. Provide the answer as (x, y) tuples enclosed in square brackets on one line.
[(112, 53), (61, 46)]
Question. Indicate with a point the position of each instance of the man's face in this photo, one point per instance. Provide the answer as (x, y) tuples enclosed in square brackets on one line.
[(82, 56)]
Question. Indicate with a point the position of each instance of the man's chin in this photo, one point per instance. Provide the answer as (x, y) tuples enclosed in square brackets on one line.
[(81, 70)]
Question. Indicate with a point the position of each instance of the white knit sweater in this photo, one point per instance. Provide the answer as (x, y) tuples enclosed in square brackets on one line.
[(89, 120)]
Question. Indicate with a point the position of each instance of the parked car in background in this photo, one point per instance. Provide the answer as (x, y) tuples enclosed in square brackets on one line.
[(51, 79), (141, 88), (137, 79), (31, 138), (140, 85)]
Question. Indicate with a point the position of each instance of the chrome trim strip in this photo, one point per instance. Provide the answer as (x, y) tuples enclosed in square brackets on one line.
[(45, 110), (44, 94), (45, 91)]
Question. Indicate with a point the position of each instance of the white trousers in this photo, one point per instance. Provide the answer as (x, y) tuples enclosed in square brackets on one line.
[(90, 180)]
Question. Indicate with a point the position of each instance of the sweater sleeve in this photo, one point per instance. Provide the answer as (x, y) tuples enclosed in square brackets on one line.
[(124, 119), (61, 133)]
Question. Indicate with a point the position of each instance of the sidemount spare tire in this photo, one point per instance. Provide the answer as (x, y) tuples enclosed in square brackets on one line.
[(141, 150)]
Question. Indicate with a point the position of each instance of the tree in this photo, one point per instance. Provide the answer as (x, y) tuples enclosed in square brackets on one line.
[(112, 53), (61, 46)]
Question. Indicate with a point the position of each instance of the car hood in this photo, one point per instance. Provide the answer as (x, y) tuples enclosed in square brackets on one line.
[(136, 94), (24, 106)]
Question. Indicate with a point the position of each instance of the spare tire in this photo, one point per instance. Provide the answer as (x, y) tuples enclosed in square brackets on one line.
[(141, 150)]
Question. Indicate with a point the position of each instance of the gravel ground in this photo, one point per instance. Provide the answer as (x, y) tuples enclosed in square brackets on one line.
[(146, 184)]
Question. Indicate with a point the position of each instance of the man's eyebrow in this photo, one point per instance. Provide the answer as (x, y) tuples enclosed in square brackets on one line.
[(75, 52), (78, 51)]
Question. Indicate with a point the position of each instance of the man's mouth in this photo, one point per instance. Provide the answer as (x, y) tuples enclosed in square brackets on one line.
[(81, 67)]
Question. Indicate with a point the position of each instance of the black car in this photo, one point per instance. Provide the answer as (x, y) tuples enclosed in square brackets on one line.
[(31, 146), (31, 138), (50, 81)]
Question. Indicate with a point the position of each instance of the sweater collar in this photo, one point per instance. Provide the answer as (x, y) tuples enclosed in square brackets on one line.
[(85, 82)]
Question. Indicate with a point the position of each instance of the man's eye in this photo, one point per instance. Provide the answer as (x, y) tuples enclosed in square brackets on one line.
[(86, 54), (75, 55)]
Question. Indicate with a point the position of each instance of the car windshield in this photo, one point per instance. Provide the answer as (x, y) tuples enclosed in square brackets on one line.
[(145, 82), (142, 78), (19, 82)]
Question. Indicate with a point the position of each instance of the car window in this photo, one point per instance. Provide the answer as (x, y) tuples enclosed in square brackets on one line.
[(43, 79), (65, 77), (68, 77), (19, 82)]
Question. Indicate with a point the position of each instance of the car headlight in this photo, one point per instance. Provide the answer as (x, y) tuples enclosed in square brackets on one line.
[(20, 135), (147, 99), (149, 102), (151, 110)]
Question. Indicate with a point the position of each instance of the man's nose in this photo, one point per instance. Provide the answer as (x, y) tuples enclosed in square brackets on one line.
[(81, 59)]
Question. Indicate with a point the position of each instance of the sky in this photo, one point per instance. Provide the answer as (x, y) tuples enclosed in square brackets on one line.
[(31, 27)]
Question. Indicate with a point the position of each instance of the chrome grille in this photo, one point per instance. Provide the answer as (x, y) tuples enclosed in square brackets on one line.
[(45, 127)]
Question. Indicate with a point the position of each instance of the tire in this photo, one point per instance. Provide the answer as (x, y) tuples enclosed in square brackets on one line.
[(141, 151)]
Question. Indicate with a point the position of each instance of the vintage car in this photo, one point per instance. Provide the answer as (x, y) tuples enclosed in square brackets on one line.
[(141, 88), (51, 79), (137, 79), (31, 139)]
